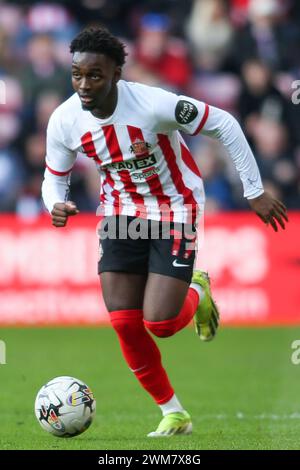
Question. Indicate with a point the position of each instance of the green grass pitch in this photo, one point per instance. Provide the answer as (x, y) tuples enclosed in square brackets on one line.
[(241, 389)]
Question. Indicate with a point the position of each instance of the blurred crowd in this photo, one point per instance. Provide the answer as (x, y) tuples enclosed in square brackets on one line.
[(239, 55)]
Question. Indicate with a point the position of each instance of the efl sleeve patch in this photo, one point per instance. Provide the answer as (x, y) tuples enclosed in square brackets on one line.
[(185, 112)]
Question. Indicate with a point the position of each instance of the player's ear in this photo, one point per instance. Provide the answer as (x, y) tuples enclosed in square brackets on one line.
[(118, 73)]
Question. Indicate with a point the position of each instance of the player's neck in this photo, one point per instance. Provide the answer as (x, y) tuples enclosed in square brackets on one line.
[(109, 105)]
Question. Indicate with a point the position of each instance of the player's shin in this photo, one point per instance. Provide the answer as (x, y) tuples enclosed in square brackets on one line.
[(141, 354)]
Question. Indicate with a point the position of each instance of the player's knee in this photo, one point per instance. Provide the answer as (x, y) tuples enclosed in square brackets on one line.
[(159, 314), (116, 305), (126, 324), (113, 306), (161, 329)]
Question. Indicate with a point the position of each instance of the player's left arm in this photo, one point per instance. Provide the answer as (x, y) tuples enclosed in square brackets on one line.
[(223, 126), (172, 112)]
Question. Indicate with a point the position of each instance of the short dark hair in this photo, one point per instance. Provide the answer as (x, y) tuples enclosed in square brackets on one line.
[(100, 41)]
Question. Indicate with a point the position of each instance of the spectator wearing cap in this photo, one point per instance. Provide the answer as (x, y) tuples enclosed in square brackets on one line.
[(160, 56)]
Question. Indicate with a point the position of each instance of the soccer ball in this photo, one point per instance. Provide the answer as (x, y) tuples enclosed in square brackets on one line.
[(65, 406)]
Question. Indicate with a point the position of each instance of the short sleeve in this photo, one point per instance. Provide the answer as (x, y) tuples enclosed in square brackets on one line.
[(59, 158), (174, 112)]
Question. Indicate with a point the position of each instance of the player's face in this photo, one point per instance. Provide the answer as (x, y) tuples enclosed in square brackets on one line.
[(94, 78)]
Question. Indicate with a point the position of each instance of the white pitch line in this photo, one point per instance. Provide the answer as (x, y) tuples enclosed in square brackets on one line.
[(244, 416)]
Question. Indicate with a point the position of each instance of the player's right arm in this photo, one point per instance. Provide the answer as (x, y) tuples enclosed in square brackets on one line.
[(61, 211), (59, 163)]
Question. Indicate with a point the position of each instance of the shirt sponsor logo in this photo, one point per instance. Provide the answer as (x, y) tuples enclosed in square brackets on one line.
[(145, 175), (185, 112), (140, 164)]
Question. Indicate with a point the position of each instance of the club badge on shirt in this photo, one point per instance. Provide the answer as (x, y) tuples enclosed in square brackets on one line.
[(140, 148)]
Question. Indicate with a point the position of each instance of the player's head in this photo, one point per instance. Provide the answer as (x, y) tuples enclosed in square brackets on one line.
[(98, 57)]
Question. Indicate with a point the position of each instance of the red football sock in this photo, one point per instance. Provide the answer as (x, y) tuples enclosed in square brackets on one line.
[(166, 328), (141, 354)]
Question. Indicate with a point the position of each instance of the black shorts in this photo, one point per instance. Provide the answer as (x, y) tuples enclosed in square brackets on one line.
[(140, 246)]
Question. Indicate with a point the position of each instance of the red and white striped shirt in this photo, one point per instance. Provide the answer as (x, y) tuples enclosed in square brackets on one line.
[(145, 166)]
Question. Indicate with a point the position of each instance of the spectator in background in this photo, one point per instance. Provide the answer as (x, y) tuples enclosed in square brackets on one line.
[(11, 22), (12, 168), (239, 12), (12, 176), (114, 14), (223, 35), (45, 104), (210, 33), (47, 18), (42, 72), (159, 58), (218, 191), (259, 97), (33, 146), (29, 201), (275, 161), (268, 36)]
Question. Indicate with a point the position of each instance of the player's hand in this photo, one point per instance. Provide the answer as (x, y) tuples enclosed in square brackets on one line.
[(61, 211), (270, 210)]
